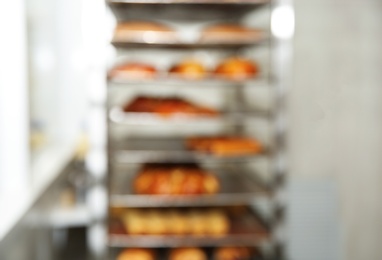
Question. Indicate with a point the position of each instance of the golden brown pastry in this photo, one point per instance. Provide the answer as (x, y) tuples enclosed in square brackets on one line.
[(232, 253), (173, 179), (133, 70), (143, 31), (217, 222), (198, 223), (237, 68), (135, 222), (143, 26), (175, 222), (179, 224), (224, 145), (189, 69), (187, 254), (156, 223), (136, 254), (168, 107)]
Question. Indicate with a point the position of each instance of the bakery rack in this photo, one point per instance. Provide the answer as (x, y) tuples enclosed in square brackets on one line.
[(129, 145)]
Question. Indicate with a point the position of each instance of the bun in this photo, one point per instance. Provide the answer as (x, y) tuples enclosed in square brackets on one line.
[(167, 107), (143, 26), (179, 223), (189, 69), (175, 180), (136, 31), (187, 254), (133, 71), (237, 69), (224, 146), (232, 253), (136, 254), (218, 223), (135, 222), (175, 222)]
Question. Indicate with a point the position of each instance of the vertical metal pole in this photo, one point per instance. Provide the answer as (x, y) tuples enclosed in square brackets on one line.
[(95, 44), (282, 28)]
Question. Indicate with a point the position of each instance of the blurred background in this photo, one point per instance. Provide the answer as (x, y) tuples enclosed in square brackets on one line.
[(68, 142)]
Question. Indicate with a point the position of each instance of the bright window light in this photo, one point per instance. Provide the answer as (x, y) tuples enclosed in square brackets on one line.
[(283, 22)]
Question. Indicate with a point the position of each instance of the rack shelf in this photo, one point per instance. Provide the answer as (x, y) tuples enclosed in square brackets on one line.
[(245, 230), (237, 188), (169, 149), (259, 39), (172, 81), (118, 116)]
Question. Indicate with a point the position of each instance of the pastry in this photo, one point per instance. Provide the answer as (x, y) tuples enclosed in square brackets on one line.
[(156, 223), (187, 254), (136, 254), (168, 107), (179, 224), (232, 253), (217, 222), (236, 68), (143, 31), (189, 69), (133, 70), (175, 222), (173, 179), (198, 223), (224, 145), (135, 222)]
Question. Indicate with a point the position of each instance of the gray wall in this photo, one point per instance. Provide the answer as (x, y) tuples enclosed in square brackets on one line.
[(336, 112)]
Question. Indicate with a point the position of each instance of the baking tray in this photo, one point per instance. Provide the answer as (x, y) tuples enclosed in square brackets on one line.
[(236, 188), (246, 230), (160, 39), (118, 116), (163, 254), (121, 81), (156, 149)]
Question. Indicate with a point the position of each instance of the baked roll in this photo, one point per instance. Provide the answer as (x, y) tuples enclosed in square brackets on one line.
[(217, 222), (133, 70), (189, 69), (143, 31), (176, 222), (224, 145), (136, 254), (232, 253), (135, 222), (187, 254), (175, 180), (168, 107), (237, 68)]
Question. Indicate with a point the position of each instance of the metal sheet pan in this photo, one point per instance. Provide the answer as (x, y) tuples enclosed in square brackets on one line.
[(168, 149), (246, 230), (163, 254), (162, 40), (121, 81), (236, 187), (118, 116)]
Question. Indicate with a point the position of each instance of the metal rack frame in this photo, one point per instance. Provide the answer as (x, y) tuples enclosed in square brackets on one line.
[(279, 80)]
